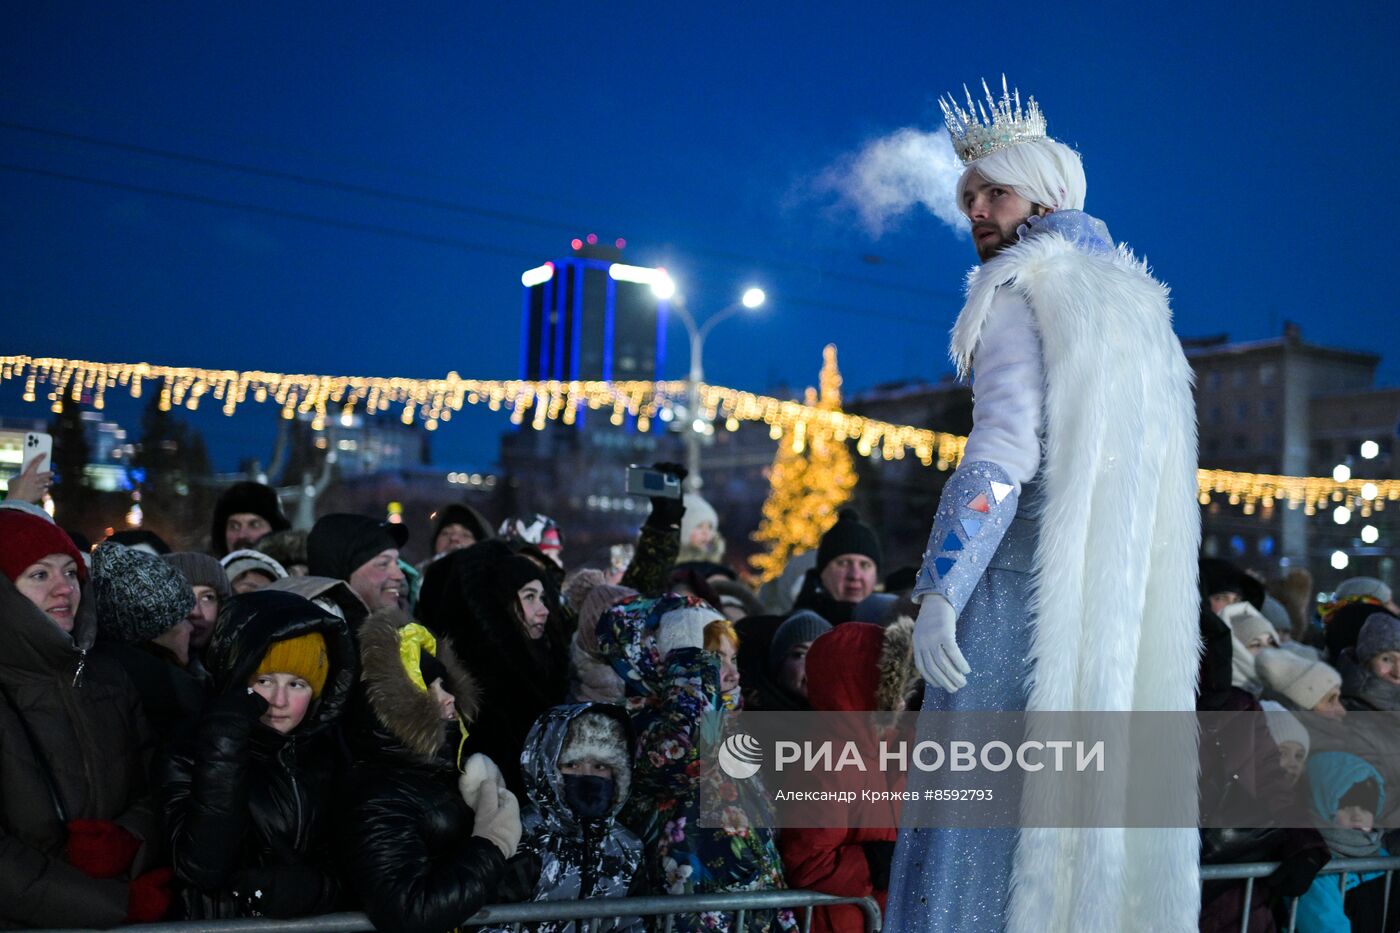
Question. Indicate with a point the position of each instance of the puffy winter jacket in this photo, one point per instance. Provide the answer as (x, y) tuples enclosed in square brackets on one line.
[(563, 857), (854, 668), (172, 697), (248, 807), (408, 848), (73, 745)]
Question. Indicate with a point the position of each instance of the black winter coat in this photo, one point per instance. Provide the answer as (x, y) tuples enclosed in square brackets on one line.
[(408, 848), (250, 808), (518, 678), (171, 697), (73, 745)]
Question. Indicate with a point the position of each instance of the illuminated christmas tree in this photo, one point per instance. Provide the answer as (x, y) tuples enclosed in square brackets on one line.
[(810, 479)]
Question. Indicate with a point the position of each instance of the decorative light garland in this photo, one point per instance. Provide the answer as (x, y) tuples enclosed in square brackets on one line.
[(434, 401)]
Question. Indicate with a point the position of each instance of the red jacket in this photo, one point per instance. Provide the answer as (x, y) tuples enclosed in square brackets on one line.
[(845, 669)]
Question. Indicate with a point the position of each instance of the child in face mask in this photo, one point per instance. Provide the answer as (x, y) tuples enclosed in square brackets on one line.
[(577, 766)]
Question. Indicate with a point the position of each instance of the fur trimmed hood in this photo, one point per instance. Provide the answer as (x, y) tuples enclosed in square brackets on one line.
[(406, 719), (898, 676), (576, 731), (858, 666), (464, 597)]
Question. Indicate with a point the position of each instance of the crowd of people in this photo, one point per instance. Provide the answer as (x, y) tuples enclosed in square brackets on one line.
[(298, 722)]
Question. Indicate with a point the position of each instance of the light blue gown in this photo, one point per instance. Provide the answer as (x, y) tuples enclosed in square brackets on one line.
[(953, 879)]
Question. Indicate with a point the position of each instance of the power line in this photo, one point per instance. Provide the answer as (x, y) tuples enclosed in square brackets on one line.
[(454, 206), (381, 230), (281, 213), (295, 177)]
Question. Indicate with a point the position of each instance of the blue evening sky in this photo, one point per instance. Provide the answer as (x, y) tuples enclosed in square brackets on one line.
[(1246, 149)]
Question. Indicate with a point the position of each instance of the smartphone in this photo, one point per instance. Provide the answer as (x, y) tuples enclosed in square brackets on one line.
[(37, 444), (644, 481)]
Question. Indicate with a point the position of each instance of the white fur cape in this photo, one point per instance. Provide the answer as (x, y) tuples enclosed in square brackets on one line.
[(1115, 616)]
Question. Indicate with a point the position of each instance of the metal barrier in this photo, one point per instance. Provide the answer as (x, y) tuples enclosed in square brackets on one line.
[(592, 914), (1248, 871)]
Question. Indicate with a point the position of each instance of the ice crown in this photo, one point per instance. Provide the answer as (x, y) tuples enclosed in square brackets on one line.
[(975, 135)]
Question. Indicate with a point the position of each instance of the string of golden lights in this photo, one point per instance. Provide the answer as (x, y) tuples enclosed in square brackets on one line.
[(434, 401)]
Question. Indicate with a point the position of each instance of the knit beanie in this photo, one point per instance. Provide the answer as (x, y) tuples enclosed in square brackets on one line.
[(139, 595), (1344, 626), (1381, 632), (27, 539), (697, 512), (1302, 682), (1248, 623), (848, 536), (1363, 586), (1284, 726), (458, 514), (803, 626), (237, 563), (200, 570), (432, 669), (305, 656), (341, 543), (1364, 794), (250, 498)]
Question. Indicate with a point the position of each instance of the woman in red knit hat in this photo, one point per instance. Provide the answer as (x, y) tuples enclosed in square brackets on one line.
[(77, 824)]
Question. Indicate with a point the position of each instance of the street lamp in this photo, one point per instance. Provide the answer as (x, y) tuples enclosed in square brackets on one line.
[(751, 299)]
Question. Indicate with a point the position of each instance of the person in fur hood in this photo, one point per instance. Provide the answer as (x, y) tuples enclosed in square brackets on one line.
[(854, 668), (578, 773), (427, 829), (248, 796), (498, 608), (1064, 545)]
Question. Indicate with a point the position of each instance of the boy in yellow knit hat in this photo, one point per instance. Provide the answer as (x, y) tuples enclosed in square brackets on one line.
[(291, 675)]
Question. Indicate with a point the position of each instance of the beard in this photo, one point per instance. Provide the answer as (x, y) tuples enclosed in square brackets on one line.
[(988, 248)]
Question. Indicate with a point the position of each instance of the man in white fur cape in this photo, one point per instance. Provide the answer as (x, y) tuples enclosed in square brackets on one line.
[(1060, 573)]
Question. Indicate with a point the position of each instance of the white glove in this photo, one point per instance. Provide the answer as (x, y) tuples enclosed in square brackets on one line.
[(496, 810), (936, 652)]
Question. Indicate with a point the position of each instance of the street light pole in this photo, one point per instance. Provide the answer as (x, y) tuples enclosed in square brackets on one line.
[(753, 297)]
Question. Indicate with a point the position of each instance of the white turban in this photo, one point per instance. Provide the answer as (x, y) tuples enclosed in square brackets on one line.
[(1042, 171)]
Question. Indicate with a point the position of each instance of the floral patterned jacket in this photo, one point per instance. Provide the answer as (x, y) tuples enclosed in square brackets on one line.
[(668, 700)]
